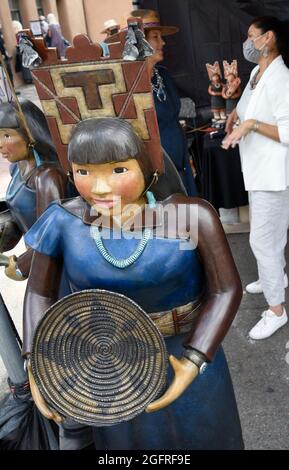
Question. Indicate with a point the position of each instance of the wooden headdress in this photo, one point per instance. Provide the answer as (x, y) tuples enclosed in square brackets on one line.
[(87, 85), (212, 69), (231, 68)]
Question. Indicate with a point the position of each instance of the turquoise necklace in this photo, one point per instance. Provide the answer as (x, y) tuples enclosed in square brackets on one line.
[(124, 262)]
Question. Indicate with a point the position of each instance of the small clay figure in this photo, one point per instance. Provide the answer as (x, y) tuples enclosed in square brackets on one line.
[(215, 89), (232, 90)]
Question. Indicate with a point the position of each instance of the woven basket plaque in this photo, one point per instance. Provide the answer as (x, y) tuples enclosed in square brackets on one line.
[(98, 358)]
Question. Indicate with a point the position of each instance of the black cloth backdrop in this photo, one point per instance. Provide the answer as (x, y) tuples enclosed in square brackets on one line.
[(209, 30)]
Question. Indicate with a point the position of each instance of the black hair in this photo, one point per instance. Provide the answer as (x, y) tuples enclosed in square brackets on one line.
[(281, 31), (37, 124), (105, 140)]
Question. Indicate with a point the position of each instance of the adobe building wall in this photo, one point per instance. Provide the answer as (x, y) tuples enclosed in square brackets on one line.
[(74, 16), (98, 11)]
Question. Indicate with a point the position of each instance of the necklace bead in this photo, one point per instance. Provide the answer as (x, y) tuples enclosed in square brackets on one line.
[(254, 81), (158, 86), (125, 262)]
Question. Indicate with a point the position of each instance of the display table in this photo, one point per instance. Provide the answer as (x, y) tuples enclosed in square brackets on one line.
[(221, 175)]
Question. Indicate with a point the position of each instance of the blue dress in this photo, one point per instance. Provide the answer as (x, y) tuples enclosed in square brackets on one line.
[(163, 277), (21, 200), (172, 135)]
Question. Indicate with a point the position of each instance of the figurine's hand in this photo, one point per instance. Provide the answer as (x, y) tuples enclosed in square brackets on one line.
[(10, 270), (236, 135), (38, 399), (185, 372)]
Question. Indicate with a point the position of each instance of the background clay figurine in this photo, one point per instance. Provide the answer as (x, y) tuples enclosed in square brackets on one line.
[(197, 290), (232, 90), (215, 90), (36, 177)]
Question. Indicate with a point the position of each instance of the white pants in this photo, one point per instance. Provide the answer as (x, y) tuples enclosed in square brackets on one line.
[(269, 217)]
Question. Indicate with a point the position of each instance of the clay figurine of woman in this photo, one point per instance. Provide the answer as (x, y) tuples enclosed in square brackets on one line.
[(215, 89), (232, 90), (185, 272), (36, 177)]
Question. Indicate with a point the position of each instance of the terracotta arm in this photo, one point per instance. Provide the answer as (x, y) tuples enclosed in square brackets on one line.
[(237, 93), (211, 92), (214, 93), (24, 262), (50, 186), (224, 93), (224, 289), (222, 299), (41, 293)]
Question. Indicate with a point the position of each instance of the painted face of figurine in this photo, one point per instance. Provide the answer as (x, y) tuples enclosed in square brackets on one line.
[(216, 79), (109, 187), (231, 78), (13, 146), (155, 39)]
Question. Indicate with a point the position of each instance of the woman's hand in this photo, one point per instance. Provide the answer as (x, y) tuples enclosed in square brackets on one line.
[(185, 372), (236, 135), (38, 399), (232, 119)]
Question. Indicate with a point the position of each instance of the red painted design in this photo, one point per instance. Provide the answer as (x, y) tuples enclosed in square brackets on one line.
[(71, 103), (45, 77), (130, 110), (61, 148)]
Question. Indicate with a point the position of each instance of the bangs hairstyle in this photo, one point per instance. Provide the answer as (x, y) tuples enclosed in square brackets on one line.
[(107, 140), (9, 119)]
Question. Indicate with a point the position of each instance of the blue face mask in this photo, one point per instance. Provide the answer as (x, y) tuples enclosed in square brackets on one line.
[(250, 52)]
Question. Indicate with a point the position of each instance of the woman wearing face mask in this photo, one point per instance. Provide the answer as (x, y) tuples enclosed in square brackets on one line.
[(166, 98), (263, 136)]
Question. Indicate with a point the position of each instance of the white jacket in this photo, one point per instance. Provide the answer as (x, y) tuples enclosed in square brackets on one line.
[(265, 163)]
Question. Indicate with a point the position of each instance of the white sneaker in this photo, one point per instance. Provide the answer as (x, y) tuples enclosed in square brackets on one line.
[(256, 287), (268, 324)]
